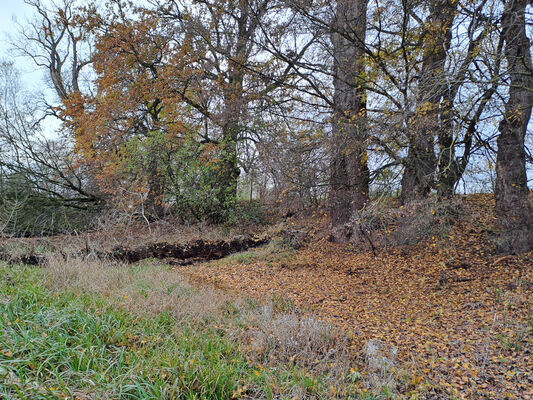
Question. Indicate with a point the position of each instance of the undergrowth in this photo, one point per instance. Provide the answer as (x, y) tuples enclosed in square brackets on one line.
[(382, 225), (275, 253), (90, 330)]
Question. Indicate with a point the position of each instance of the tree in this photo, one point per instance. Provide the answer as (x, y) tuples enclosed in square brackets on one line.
[(403, 92), (349, 190), (421, 162), (126, 129), (512, 204), (480, 66), (221, 45), (58, 42), (178, 72), (41, 181)]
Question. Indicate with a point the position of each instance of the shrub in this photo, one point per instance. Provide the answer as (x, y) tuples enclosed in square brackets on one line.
[(423, 219), (245, 213), (380, 225), (30, 213)]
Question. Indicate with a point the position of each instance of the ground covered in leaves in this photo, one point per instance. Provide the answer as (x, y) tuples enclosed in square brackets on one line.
[(460, 314), (427, 280)]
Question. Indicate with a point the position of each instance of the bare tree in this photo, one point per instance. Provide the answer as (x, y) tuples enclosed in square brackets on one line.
[(39, 176), (58, 42), (421, 162), (512, 204)]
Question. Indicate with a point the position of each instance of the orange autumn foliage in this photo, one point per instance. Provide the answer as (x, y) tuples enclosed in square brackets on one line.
[(132, 104)]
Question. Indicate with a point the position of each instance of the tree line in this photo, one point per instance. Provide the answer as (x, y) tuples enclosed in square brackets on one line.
[(186, 106)]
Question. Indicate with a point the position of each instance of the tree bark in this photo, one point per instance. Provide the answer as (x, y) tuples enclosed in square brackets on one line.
[(349, 169), (227, 168), (513, 208)]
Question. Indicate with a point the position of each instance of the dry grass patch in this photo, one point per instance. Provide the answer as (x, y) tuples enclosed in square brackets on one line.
[(295, 339), (144, 288), (271, 334)]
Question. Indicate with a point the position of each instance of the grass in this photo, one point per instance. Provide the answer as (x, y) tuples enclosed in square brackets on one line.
[(90, 330), (515, 339), (274, 254), (58, 345)]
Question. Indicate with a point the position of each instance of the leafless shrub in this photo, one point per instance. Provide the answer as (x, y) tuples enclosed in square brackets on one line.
[(293, 339), (112, 229), (422, 219), (380, 225), (367, 226), (295, 238), (124, 231)]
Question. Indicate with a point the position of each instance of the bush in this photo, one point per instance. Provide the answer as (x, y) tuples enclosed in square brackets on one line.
[(30, 213), (380, 224), (426, 218), (245, 213)]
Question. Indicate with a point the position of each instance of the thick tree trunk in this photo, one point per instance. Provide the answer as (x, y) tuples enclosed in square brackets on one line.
[(451, 167), (420, 165), (227, 169), (349, 169), (512, 204), (421, 162)]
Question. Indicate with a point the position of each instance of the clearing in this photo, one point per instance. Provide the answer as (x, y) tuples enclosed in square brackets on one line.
[(285, 320)]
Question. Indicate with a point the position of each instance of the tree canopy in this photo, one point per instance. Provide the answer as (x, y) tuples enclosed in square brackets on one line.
[(188, 107)]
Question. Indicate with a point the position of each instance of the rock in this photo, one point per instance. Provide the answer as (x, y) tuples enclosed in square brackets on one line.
[(380, 358)]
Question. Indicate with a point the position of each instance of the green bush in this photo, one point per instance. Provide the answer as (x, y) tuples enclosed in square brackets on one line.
[(245, 213), (26, 212)]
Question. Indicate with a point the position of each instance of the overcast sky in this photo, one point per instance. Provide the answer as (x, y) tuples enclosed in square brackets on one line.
[(12, 11), (32, 79)]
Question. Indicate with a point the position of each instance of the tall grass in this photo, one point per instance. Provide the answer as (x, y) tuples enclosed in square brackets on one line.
[(93, 330)]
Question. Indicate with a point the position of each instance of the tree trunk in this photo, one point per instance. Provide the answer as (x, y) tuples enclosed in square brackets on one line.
[(228, 171), (349, 169), (421, 161), (234, 106), (420, 166), (512, 204)]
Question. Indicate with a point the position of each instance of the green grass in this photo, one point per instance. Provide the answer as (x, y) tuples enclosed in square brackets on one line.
[(67, 343), (54, 345), (274, 253)]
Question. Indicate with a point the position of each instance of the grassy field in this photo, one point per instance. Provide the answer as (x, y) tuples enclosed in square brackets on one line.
[(91, 330)]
